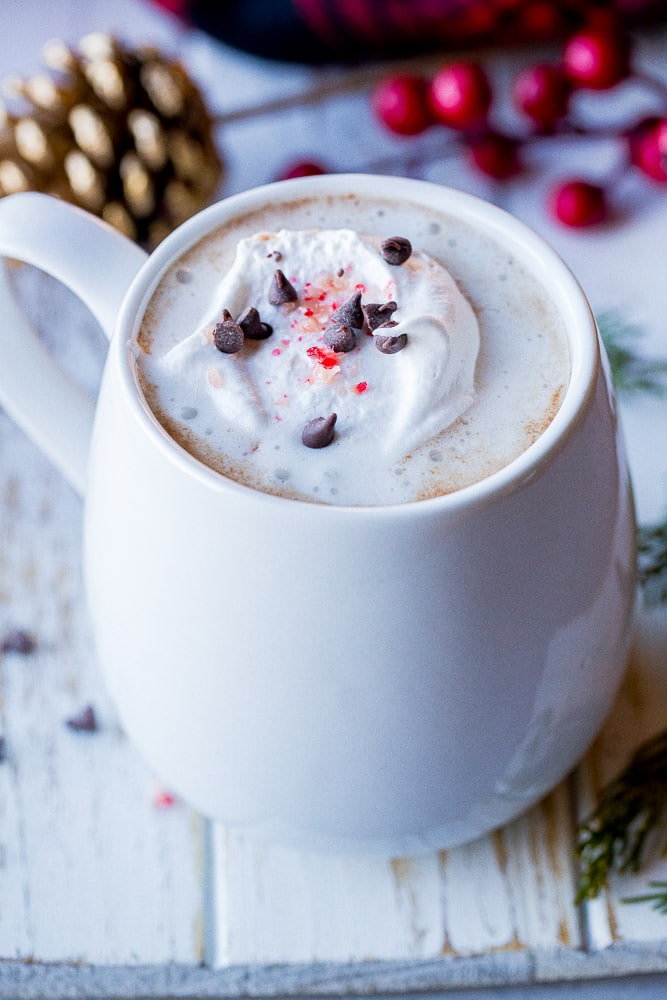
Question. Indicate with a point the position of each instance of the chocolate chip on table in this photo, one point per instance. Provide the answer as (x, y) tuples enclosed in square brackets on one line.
[(228, 335), (318, 433), (252, 326), (388, 344), (396, 249), (84, 722), (281, 290), (340, 338), (378, 313), (350, 313), (20, 641)]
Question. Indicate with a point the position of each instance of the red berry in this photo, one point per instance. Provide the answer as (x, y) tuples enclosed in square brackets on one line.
[(542, 92), (606, 18), (648, 148), (401, 103), (460, 95), (578, 204), (473, 21), (302, 168), (597, 58), (538, 19), (496, 155)]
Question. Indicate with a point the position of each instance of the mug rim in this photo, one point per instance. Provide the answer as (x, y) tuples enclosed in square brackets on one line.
[(525, 243)]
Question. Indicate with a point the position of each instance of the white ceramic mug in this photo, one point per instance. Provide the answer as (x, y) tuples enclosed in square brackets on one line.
[(487, 629)]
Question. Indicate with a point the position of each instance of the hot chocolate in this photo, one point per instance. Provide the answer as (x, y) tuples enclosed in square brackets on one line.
[(352, 352)]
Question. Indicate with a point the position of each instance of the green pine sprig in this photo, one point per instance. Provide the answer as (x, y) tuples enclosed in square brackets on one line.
[(613, 838), (652, 563), (631, 372), (658, 899)]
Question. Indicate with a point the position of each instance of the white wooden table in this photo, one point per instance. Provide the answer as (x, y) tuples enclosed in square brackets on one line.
[(103, 893)]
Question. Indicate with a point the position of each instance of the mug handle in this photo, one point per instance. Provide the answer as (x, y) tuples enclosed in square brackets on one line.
[(98, 264)]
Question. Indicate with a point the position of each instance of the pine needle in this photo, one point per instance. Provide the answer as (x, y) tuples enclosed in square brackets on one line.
[(652, 563), (658, 898), (613, 837), (630, 371)]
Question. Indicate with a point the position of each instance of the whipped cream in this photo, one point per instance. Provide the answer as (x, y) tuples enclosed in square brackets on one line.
[(483, 371), (264, 394)]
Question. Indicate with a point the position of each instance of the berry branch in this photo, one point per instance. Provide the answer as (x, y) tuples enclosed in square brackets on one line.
[(459, 97)]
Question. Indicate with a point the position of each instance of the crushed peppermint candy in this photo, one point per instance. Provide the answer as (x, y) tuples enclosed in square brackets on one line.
[(164, 799), (325, 358)]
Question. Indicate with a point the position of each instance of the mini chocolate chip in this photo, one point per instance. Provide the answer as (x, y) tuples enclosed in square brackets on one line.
[(340, 338), (378, 313), (281, 289), (3, 749), (228, 335), (84, 722), (20, 641), (252, 326), (340, 272), (396, 249), (350, 313), (318, 433), (390, 345)]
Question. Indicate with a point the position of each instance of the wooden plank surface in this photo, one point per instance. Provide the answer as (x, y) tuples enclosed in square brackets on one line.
[(81, 841), (104, 894), (508, 891)]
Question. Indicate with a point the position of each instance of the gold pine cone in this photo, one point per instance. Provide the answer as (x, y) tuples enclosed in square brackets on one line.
[(124, 133)]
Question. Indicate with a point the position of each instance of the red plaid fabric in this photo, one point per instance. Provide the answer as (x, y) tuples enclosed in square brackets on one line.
[(353, 30)]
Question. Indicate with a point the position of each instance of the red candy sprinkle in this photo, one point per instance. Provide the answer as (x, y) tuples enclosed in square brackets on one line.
[(323, 357), (361, 387), (163, 800)]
